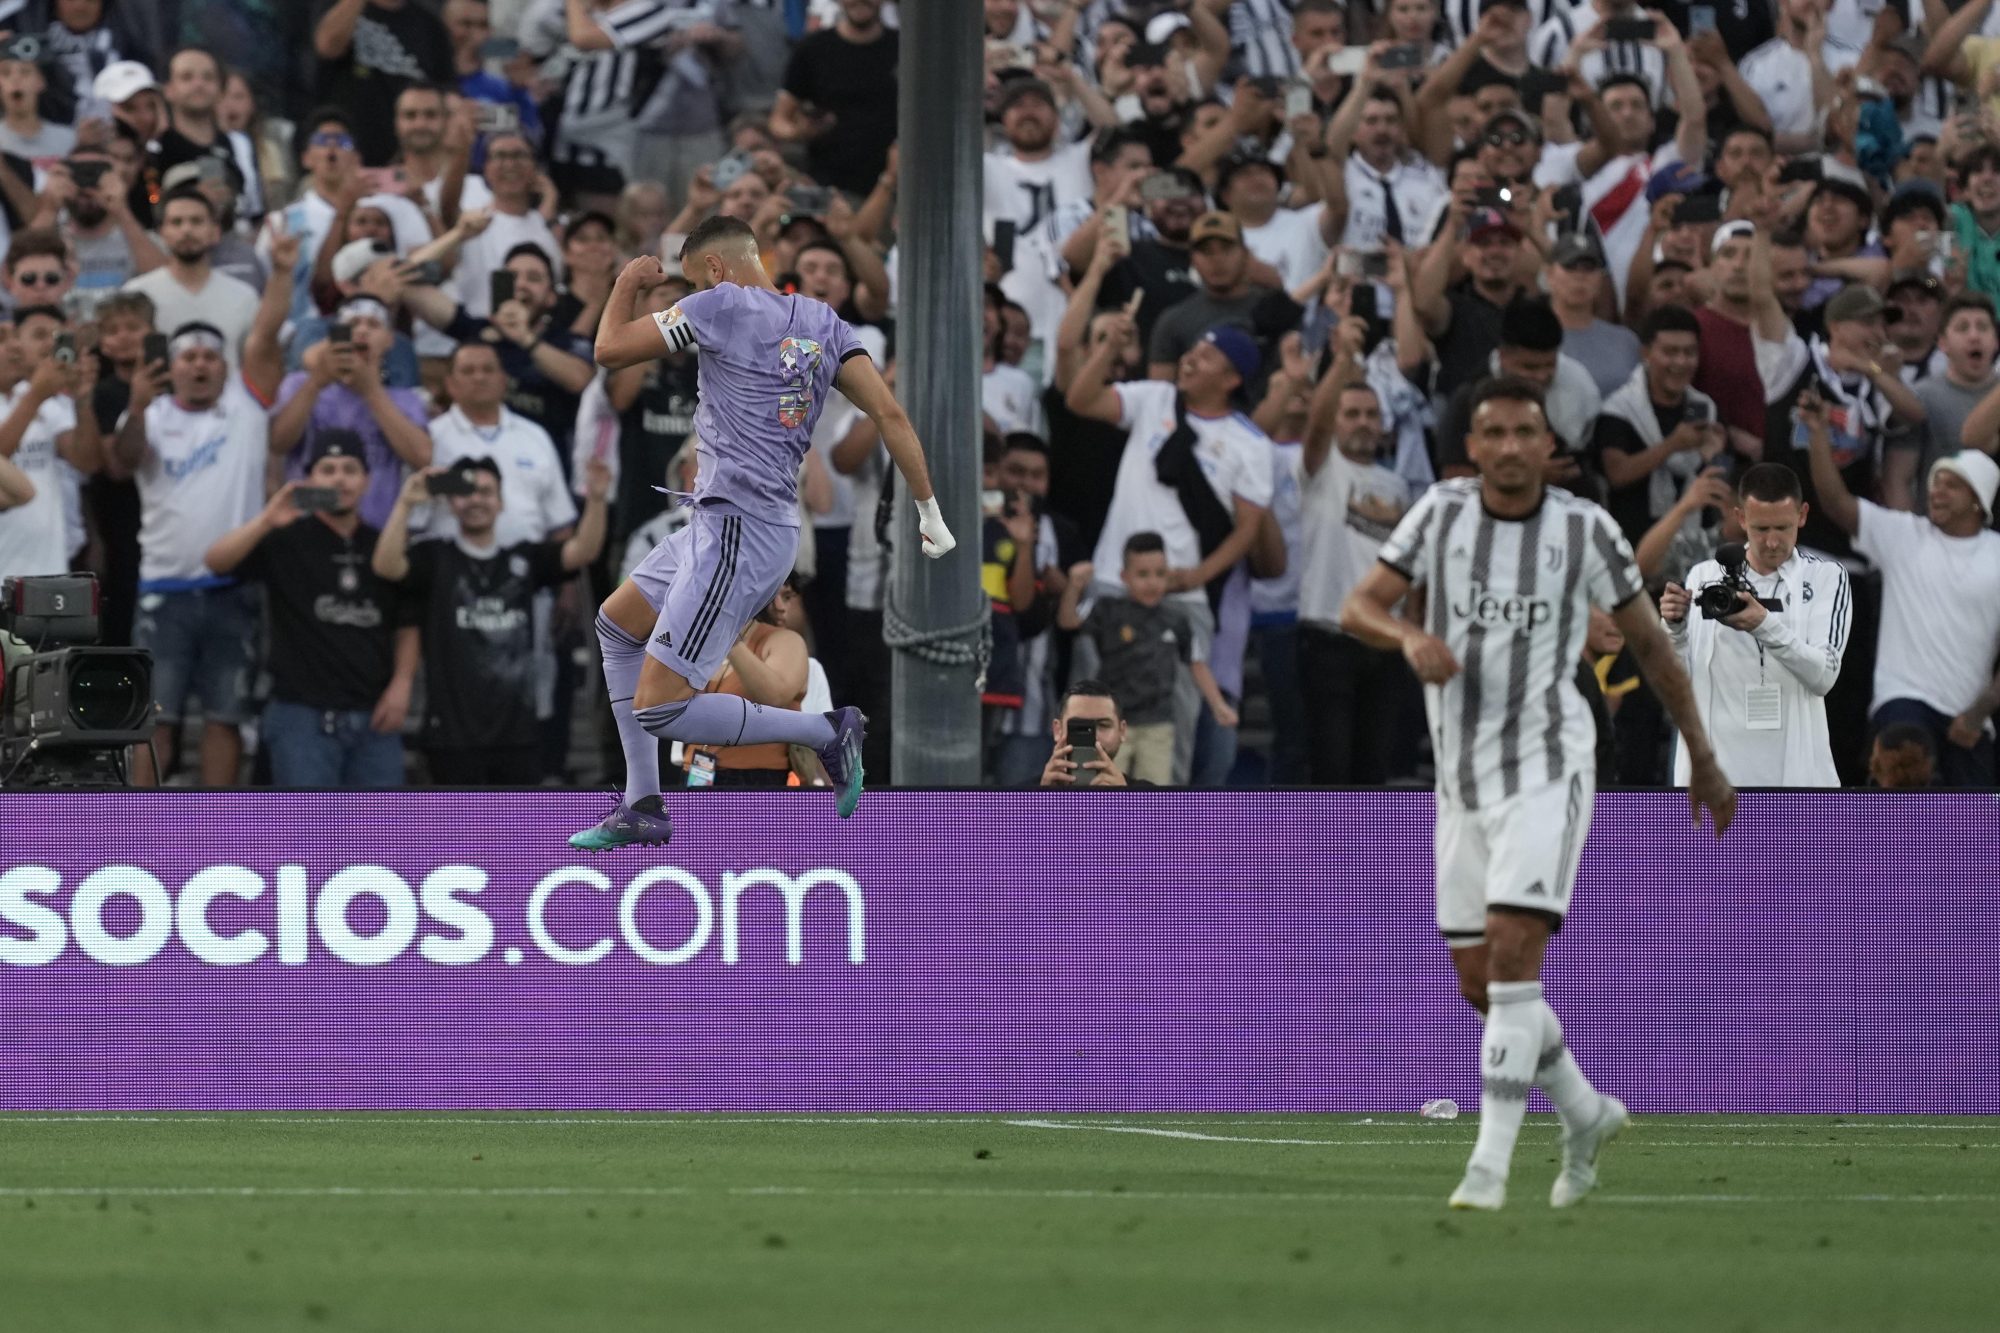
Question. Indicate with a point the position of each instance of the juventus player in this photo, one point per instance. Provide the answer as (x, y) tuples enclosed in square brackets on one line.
[(1510, 568)]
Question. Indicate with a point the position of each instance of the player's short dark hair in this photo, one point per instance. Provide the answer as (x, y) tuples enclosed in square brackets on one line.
[(28, 312), (1090, 688), (528, 249), (1668, 319), (1530, 324), (1145, 543), (1622, 80), (1966, 300), (1507, 389), (710, 233), (188, 194), (1770, 483)]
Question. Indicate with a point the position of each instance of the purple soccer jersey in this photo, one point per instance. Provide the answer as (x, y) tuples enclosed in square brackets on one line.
[(768, 362)]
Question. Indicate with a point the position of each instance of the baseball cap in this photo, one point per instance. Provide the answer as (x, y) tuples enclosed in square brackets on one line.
[(1846, 189), (1680, 178), (1016, 89), (1574, 246), (1976, 470), (1858, 301), (24, 47), (1215, 226), (1919, 282), (353, 259), (1160, 28), (1740, 229), (1238, 346), (1515, 114), (121, 81), (336, 443), (1484, 220)]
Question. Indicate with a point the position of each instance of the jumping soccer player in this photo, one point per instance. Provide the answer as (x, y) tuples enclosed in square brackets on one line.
[(1509, 568), (768, 362)]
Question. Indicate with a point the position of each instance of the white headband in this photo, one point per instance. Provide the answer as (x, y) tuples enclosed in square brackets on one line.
[(197, 338), (361, 307)]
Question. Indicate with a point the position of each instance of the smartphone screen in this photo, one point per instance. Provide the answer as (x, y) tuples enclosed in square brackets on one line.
[(315, 499), (500, 286), (155, 348), (339, 334), (1081, 736)]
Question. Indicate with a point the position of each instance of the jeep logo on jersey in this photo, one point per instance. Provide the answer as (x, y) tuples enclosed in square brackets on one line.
[(1523, 614)]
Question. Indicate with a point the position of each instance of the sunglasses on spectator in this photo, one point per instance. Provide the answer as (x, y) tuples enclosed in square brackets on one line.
[(30, 278), (330, 140), (1506, 138)]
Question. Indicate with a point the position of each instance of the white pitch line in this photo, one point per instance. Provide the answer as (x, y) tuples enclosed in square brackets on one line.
[(1189, 1134), (678, 1119), (924, 1192), (1454, 1143)]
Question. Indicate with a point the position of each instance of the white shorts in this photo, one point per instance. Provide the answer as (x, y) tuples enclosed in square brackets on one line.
[(1521, 852)]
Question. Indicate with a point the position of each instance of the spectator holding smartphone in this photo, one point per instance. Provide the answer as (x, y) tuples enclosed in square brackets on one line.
[(470, 602), (1089, 709), (342, 389), (1656, 433), (340, 683), (84, 199)]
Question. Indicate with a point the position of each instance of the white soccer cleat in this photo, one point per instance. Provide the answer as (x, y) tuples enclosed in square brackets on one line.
[(1580, 1149), (1481, 1190)]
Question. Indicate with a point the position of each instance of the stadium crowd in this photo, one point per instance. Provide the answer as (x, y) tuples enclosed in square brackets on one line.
[(300, 308)]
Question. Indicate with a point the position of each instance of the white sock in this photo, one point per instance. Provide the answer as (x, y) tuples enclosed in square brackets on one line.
[(1559, 1077), (1507, 1055), (623, 656)]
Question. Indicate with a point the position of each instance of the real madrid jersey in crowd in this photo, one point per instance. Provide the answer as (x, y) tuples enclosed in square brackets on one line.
[(475, 607), (1392, 203), (31, 535), (1511, 598)]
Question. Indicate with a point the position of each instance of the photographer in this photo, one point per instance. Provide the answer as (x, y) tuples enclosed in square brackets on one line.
[(340, 680), (1762, 669), (1089, 704), (472, 600)]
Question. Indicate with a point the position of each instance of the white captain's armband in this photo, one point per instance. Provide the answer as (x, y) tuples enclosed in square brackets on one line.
[(675, 329)]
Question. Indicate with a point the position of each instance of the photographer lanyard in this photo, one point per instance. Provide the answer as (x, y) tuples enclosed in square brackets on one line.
[(1763, 703)]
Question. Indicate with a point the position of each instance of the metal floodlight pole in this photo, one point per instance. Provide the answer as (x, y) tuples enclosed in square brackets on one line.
[(935, 741)]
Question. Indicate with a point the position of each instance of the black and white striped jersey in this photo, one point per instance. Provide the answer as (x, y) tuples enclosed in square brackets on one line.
[(1260, 37), (609, 84), (1461, 17), (1511, 598)]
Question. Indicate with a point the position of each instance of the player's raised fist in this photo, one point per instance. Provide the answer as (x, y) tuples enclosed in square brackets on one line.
[(644, 273)]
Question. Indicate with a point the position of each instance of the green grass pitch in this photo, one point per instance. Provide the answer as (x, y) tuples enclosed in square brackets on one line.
[(489, 1221)]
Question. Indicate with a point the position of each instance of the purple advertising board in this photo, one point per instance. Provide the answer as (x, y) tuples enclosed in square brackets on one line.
[(967, 951)]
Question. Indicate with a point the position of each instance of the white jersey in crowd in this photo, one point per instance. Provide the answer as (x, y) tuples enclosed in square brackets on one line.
[(1762, 694), (1013, 398), (32, 540), (1940, 609), (1233, 454), (534, 501), (1280, 596), (1025, 193), (1781, 76), (1511, 598), (1290, 243), (486, 251), (1413, 184), (1348, 511), (202, 475)]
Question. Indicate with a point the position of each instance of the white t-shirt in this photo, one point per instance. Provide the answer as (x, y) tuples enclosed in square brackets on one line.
[(230, 304), (1940, 609), (1013, 399), (1024, 193), (534, 502), (1781, 76), (1234, 455), (32, 540), (1347, 510), (309, 219), (202, 475), (429, 341), (486, 251), (1291, 243)]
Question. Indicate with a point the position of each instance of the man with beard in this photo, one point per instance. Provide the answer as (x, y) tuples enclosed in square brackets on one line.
[(471, 600), (188, 289), (1033, 175), (85, 197), (369, 51), (1162, 268), (1390, 190), (194, 86), (839, 98), (340, 682)]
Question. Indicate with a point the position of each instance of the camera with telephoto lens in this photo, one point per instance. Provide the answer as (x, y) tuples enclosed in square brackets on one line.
[(1718, 600), (68, 707)]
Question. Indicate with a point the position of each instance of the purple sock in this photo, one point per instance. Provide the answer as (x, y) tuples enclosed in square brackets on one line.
[(727, 719)]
